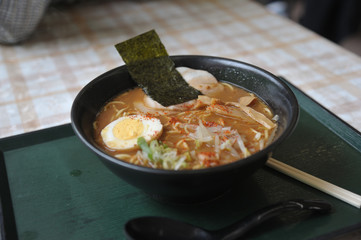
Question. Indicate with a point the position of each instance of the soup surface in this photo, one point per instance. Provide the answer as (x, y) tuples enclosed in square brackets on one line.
[(224, 125)]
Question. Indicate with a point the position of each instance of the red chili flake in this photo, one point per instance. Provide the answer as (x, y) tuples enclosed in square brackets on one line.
[(227, 132), (224, 138), (148, 116), (190, 106), (209, 124), (208, 158), (206, 163), (173, 120), (224, 108)]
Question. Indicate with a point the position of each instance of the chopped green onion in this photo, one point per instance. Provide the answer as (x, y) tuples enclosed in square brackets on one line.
[(160, 153), (198, 143), (145, 148)]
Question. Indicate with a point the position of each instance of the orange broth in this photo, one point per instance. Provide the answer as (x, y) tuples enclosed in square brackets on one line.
[(179, 126)]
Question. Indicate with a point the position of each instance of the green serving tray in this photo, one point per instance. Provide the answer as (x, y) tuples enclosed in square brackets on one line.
[(53, 187)]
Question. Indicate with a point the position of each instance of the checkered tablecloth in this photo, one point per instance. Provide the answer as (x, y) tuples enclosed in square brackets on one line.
[(40, 78)]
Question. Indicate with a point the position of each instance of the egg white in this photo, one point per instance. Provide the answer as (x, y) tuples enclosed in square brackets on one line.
[(152, 129)]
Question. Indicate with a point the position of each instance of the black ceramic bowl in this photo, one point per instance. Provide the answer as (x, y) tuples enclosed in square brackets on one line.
[(187, 185)]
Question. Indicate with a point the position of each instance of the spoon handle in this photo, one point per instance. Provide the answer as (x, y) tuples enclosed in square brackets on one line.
[(238, 229)]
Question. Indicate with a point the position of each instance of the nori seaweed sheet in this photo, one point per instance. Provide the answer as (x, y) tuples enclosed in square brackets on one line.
[(152, 69)]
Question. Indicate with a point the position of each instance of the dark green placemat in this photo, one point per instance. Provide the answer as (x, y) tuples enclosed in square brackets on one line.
[(60, 190)]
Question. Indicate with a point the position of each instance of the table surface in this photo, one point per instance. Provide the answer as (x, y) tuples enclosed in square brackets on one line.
[(40, 78), (63, 186)]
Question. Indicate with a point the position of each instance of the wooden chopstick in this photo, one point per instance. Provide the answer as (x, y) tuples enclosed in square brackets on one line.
[(329, 188)]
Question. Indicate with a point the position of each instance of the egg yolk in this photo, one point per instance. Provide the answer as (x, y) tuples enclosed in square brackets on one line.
[(128, 129)]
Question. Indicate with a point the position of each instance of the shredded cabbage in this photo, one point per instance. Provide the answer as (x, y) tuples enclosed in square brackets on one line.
[(223, 138), (203, 134), (243, 148)]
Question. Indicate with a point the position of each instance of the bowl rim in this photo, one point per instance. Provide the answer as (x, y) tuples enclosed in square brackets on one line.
[(264, 152)]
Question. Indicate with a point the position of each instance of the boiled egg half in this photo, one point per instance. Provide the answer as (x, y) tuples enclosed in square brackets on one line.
[(122, 134)]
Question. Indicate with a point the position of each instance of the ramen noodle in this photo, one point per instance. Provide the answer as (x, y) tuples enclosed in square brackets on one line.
[(225, 124)]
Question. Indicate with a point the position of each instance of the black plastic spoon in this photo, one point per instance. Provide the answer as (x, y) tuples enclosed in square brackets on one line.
[(159, 228)]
